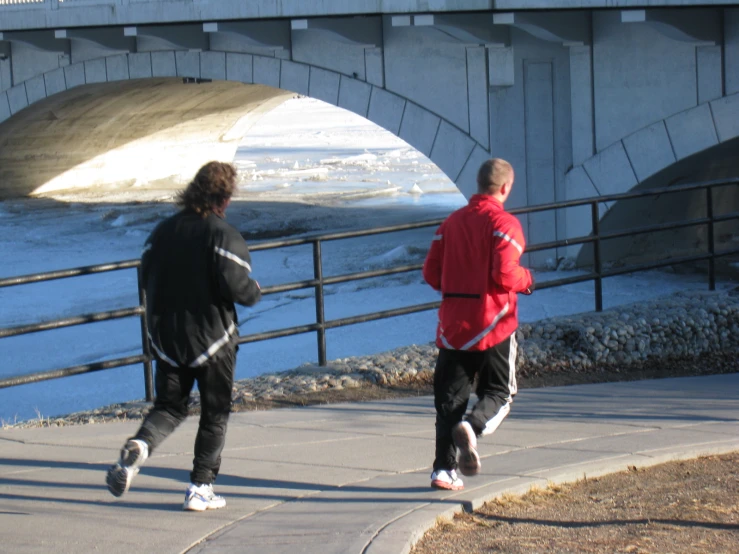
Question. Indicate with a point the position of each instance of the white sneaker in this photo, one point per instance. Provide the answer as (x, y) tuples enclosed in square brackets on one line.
[(199, 498), (466, 441), (133, 455), (446, 480)]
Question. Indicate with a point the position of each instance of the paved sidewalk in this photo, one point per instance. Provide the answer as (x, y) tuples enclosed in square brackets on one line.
[(345, 478)]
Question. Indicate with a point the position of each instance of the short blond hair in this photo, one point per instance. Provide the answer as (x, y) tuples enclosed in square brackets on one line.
[(492, 174)]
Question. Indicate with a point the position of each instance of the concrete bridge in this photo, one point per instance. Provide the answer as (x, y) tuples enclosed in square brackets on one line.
[(583, 97)]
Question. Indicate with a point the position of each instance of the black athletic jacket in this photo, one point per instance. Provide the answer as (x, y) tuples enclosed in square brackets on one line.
[(194, 269)]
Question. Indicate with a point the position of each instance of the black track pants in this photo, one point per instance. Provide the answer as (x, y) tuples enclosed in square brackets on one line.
[(173, 386), (455, 373)]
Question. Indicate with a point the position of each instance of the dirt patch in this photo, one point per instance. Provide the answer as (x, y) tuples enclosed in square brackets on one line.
[(679, 507)]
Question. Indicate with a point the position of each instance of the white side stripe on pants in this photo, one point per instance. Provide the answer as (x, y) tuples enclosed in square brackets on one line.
[(512, 353), (494, 423), (505, 409)]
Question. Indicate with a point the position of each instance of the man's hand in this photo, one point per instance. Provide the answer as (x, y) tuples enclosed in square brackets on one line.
[(532, 286)]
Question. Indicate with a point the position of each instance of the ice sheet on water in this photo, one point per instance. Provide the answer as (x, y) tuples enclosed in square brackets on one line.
[(305, 173), (404, 153), (396, 256), (360, 159), (366, 159)]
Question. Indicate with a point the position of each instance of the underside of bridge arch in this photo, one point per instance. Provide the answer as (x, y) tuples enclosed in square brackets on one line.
[(151, 130), (142, 132), (717, 163)]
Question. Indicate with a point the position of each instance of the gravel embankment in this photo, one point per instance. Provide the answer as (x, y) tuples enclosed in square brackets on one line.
[(685, 325)]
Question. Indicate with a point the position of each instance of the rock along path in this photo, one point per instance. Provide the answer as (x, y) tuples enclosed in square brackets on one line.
[(343, 478)]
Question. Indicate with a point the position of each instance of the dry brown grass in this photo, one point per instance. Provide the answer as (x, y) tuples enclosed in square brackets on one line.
[(679, 507)]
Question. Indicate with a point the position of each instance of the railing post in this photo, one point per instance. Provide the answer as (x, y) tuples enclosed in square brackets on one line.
[(148, 375), (320, 317), (711, 245), (597, 264)]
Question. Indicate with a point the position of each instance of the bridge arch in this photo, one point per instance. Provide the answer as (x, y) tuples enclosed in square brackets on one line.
[(674, 150), (452, 149)]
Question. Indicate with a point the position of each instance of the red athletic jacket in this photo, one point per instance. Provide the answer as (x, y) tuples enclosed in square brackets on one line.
[(474, 262)]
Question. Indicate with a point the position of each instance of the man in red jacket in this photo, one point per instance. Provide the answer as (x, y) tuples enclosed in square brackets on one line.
[(474, 262)]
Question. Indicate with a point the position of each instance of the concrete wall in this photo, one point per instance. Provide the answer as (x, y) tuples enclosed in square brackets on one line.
[(29, 62), (416, 59), (657, 103), (731, 50), (73, 13), (530, 127), (320, 50), (6, 79), (639, 76)]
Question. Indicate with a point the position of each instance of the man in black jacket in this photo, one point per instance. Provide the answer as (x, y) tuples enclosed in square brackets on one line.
[(195, 266)]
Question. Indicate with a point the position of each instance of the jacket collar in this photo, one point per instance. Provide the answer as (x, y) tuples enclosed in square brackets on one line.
[(485, 200)]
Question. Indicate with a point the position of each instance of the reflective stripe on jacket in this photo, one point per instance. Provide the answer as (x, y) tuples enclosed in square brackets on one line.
[(474, 262)]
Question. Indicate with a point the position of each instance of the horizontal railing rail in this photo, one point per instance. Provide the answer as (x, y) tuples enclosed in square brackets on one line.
[(319, 281), (56, 324), (70, 321), (66, 273)]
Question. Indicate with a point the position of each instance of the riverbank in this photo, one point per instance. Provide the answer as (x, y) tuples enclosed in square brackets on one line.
[(688, 333)]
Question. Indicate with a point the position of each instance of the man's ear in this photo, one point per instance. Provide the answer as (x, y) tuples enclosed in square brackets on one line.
[(503, 190)]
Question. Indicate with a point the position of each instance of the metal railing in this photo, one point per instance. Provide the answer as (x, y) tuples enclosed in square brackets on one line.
[(318, 282)]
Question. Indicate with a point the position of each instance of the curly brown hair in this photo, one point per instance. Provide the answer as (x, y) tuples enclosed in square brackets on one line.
[(213, 184)]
